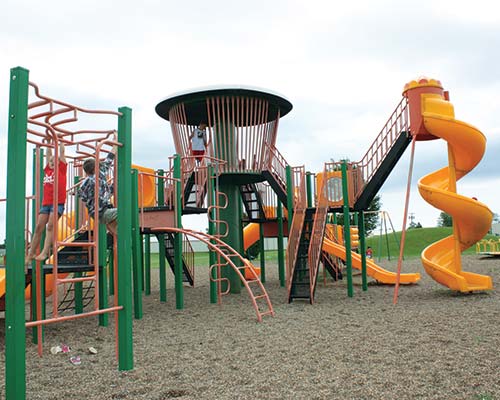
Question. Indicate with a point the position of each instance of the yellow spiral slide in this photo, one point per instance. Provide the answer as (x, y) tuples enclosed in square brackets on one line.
[(471, 218)]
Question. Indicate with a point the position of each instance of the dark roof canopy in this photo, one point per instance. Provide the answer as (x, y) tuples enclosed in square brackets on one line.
[(196, 108)]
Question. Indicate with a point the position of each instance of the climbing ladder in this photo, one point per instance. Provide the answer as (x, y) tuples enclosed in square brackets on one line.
[(256, 291)]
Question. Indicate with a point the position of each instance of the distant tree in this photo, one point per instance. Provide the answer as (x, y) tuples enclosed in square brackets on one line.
[(371, 219), (444, 219), (419, 225)]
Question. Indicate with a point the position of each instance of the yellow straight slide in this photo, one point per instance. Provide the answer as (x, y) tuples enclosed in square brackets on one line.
[(379, 274)]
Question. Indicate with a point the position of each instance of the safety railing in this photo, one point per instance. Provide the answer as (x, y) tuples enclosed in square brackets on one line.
[(317, 233), (297, 225), (365, 169), (276, 165)]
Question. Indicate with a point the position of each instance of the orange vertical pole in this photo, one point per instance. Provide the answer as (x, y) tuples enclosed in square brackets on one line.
[(405, 217)]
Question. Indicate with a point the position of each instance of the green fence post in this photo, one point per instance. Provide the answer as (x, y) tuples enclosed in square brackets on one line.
[(15, 330), (103, 275), (124, 241), (362, 249), (147, 265), (179, 288), (136, 249), (347, 229), (161, 242), (281, 249)]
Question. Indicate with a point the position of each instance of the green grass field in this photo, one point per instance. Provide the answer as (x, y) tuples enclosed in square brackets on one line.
[(416, 241)]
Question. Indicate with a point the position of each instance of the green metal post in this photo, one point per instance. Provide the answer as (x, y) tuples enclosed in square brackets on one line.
[(136, 248), (179, 288), (141, 255), (15, 331), (212, 231), (111, 262), (124, 241), (33, 264), (231, 214), (161, 242), (289, 196), (309, 189), (262, 254), (103, 275), (78, 286), (362, 249), (147, 265), (281, 251), (347, 229)]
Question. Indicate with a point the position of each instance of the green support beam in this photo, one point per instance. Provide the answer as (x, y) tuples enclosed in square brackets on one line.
[(15, 330), (147, 264), (78, 286), (289, 196), (362, 248), (103, 275), (136, 247), (212, 231), (347, 229), (262, 254), (281, 250), (124, 241), (179, 287), (161, 242)]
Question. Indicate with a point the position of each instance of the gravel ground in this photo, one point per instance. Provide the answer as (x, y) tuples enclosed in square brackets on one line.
[(435, 344)]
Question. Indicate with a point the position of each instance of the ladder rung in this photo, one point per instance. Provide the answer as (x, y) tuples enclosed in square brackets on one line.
[(75, 280), (260, 297)]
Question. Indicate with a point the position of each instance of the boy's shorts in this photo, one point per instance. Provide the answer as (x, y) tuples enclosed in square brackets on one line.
[(48, 209), (109, 215)]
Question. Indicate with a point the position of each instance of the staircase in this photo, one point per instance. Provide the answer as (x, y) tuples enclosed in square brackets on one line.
[(301, 278), (275, 173), (252, 201), (195, 189), (187, 267)]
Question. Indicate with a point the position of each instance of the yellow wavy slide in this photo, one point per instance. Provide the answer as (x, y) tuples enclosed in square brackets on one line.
[(379, 274), (471, 218)]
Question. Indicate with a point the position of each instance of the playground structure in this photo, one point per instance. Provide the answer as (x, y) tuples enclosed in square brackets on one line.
[(242, 177)]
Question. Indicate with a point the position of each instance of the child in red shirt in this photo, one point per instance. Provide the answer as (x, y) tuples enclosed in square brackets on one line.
[(46, 211)]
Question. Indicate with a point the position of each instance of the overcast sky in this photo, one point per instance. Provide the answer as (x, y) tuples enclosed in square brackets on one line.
[(342, 64)]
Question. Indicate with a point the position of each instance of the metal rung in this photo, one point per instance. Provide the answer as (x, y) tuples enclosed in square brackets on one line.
[(76, 244), (260, 297), (75, 280), (267, 313)]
